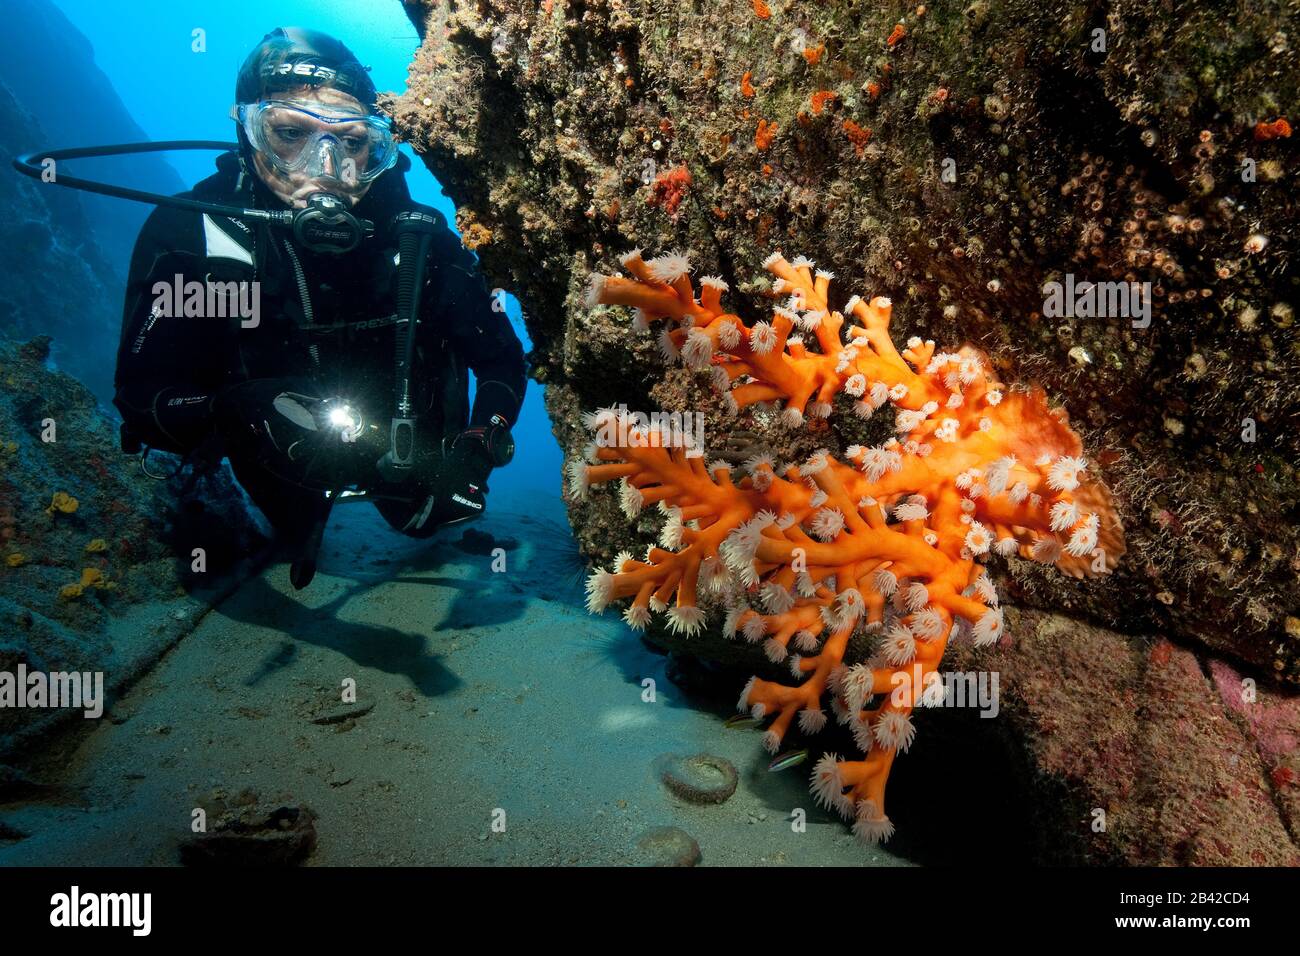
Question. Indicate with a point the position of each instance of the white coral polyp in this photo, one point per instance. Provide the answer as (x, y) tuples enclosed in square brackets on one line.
[(983, 587), (670, 535), (600, 587), (630, 498), (1047, 550), (697, 350), (978, 539), (885, 582), (911, 510), (812, 721), (669, 268), (732, 622), (998, 474), (988, 628), (827, 524), (762, 338), (742, 705), (827, 785), (927, 624), (577, 485), (729, 335), (898, 646), (1084, 540), (1065, 515), (918, 596), (877, 461), (894, 730), (855, 687), (870, 825), (805, 641), (685, 620), (1064, 473), (848, 606), (754, 628), (907, 421), (776, 598)]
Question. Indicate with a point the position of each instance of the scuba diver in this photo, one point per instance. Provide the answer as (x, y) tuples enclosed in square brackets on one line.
[(348, 378)]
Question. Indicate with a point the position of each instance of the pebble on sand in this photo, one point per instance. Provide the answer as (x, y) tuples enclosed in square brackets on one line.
[(667, 846)]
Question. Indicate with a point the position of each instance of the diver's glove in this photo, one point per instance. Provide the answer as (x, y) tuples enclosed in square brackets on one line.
[(484, 448), (302, 438), (461, 484)]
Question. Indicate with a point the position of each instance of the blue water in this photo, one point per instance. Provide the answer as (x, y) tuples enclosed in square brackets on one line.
[(147, 50)]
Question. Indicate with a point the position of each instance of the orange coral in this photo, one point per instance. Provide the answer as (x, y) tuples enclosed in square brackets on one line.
[(813, 54), (669, 189), (858, 135), (888, 541), (821, 98), (746, 87), (1279, 128), (761, 9), (897, 35), (764, 135)]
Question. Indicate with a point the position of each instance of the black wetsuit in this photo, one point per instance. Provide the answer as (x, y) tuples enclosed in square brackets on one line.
[(325, 323)]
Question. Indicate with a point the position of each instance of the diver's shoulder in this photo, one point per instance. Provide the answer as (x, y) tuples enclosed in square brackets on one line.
[(167, 224), (430, 211), (220, 187)]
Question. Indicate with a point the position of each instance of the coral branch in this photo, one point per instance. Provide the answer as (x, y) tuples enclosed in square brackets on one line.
[(887, 541)]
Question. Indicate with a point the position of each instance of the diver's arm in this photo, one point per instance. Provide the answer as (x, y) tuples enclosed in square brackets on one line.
[(165, 380), (480, 333), (459, 307)]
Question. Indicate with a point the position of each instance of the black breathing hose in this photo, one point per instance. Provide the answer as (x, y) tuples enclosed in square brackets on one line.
[(31, 164)]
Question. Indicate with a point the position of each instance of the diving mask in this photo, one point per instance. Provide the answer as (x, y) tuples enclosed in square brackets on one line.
[(321, 142)]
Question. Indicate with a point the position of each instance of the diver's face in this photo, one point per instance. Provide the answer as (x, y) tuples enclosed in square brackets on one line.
[(333, 168)]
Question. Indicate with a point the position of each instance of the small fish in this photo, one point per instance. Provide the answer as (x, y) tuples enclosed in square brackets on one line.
[(739, 721), (787, 760)]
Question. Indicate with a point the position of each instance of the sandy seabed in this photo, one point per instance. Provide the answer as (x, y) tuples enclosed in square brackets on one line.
[(487, 692)]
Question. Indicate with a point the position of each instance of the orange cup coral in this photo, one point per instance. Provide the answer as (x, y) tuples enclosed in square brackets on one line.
[(887, 542)]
